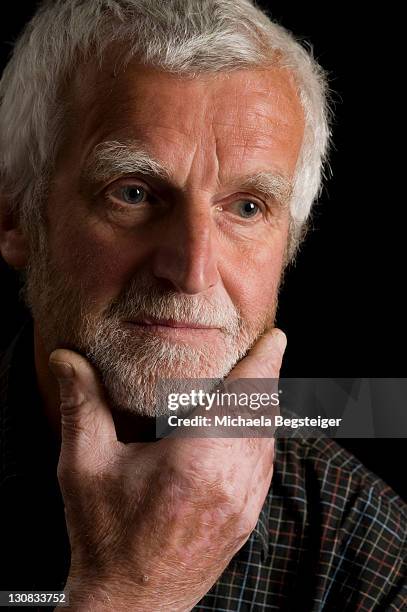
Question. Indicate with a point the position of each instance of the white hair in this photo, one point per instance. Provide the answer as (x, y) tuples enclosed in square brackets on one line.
[(185, 37)]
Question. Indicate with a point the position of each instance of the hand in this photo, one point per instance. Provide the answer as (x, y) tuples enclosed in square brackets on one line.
[(153, 525)]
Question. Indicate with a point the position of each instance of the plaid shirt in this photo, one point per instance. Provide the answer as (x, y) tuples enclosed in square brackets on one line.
[(330, 536)]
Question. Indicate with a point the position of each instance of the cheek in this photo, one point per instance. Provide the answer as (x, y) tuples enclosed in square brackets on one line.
[(252, 279), (257, 298), (100, 260)]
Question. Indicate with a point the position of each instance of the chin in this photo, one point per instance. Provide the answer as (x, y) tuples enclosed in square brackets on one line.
[(144, 391)]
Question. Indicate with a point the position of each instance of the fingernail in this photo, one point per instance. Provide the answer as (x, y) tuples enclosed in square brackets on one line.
[(280, 339), (61, 369)]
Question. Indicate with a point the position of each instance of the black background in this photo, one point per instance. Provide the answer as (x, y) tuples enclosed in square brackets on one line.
[(341, 306)]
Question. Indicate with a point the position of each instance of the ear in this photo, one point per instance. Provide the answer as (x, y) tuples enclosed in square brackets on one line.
[(13, 243)]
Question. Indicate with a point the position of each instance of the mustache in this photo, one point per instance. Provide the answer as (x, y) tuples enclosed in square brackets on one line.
[(143, 299)]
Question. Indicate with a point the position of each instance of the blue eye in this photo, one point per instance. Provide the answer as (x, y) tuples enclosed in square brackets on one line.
[(133, 194), (247, 209)]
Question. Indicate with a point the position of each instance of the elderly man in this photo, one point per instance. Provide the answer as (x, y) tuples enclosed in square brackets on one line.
[(158, 165)]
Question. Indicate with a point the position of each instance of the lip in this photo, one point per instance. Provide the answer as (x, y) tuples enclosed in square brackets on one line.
[(151, 323)]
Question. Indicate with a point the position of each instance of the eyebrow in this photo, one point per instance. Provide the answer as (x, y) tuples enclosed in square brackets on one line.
[(117, 158), (272, 185)]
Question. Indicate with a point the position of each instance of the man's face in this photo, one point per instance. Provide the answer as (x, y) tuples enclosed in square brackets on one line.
[(166, 224)]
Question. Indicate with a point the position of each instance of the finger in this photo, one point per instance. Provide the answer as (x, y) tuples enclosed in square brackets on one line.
[(264, 358), (87, 427)]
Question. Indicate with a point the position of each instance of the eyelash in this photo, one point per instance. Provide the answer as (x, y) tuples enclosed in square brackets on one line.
[(109, 190)]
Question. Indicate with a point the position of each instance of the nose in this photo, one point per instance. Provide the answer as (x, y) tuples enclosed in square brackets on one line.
[(186, 256)]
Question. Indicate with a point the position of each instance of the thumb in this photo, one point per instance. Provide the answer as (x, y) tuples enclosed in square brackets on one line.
[(87, 427), (264, 358)]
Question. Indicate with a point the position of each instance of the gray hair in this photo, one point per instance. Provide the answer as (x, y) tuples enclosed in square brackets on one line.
[(185, 37)]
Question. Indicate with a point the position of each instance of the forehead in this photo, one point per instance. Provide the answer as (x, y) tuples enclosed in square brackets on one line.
[(245, 117)]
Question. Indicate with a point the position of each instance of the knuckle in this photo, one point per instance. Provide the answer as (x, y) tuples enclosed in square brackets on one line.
[(271, 366), (247, 524), (69, 478)]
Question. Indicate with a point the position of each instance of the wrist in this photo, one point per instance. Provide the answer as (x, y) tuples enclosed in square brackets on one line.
[(85, 595), (105, 597)]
